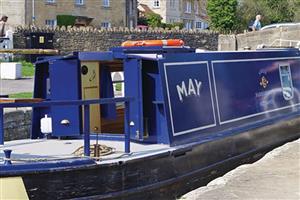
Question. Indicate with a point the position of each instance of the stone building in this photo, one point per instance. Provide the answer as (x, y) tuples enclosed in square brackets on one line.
[(190, 12), (105, 13)]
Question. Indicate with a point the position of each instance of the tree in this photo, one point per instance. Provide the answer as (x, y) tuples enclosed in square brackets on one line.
[(272, 11), (222, 14)]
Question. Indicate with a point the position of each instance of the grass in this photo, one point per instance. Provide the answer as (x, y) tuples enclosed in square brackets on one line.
[(27, 69), (22, 95), (118, 86)]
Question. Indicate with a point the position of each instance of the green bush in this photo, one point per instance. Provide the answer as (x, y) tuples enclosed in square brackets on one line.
[(65, 20), (154, 20)]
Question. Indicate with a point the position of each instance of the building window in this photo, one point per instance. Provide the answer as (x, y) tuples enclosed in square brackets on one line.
[(188, 24), (172, 21), (172, 3), (105, 3), (50, 22), (156, 3), (198, 25), (286, 81), (79, 2), (50, 1), (105, 25), (188, 6), (196, 7)]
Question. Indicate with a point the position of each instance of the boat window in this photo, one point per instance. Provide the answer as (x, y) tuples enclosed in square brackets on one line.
[(286, 81), (118, 83)]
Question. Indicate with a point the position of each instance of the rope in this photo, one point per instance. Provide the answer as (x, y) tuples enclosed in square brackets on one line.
[(103, 150)]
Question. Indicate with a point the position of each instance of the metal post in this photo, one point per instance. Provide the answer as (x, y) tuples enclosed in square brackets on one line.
[(86, 130), (127, 131), (1, 126)]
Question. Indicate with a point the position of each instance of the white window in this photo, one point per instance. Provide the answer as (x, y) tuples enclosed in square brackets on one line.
[(79, 2), (105, 24), (196, 7), (198, 25), (188, 6), (172, 3), (50, 1), (105, 3), (156, 3), (50, 22), (172, 21), (188, 24)]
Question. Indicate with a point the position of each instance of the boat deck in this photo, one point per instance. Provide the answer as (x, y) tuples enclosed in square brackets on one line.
[(54, 149)]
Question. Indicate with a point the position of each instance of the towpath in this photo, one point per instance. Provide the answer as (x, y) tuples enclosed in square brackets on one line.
[(16, 86), (275, 176)]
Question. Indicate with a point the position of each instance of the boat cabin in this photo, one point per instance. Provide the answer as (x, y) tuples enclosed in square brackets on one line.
[(177, 94)]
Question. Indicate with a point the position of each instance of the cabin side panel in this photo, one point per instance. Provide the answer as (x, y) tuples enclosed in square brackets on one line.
[(249, 88)]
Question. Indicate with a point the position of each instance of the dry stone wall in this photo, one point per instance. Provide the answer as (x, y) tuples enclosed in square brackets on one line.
[(91, 39), (17, 124)]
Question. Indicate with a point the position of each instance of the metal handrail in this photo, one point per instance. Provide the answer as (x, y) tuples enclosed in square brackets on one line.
[(86, 104)]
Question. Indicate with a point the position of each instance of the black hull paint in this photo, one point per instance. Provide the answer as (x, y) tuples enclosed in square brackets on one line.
[(164, 176)]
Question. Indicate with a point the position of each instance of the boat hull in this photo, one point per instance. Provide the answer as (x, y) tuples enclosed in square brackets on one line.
[(165, 175)]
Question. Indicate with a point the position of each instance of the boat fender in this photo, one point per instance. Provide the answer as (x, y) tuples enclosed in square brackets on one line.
[(46, 125)]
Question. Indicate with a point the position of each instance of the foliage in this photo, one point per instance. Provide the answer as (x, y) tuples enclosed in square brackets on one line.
[(65, 20), (223, 14), (154, 20), (180, 25), (142, 21), (272, 11), (21, 95), (27, 69)]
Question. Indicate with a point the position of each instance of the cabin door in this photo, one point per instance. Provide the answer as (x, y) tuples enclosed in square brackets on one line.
[(133, 83), (90, 89)]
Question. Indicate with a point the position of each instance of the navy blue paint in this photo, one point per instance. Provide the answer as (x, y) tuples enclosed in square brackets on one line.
[(86, 130), (127, 127), (133, 88), (46, 166), (1, 126), (64, 86), (239, 87), (196, 111)]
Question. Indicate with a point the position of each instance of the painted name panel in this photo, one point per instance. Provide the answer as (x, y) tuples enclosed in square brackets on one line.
[(269, 84), (189, 94)]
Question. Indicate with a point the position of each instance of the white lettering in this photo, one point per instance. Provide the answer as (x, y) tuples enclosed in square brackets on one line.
[(198, 85), (191, 87), (192, 90), (181, 90)]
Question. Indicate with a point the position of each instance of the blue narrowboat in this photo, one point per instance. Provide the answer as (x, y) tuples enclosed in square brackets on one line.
[(185, 117)]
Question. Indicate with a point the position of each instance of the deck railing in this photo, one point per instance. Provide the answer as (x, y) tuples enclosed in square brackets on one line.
[(86, 105)]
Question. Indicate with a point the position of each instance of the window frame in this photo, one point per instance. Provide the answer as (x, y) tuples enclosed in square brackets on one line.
[(51, 24), (188, 6), (79, 2), (156, 4), (105, 22), (106, 3), (50, 1)]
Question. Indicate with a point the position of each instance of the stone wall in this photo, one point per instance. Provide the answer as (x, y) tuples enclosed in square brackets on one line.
[(90, 39), (266, 37), (17, 124)]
